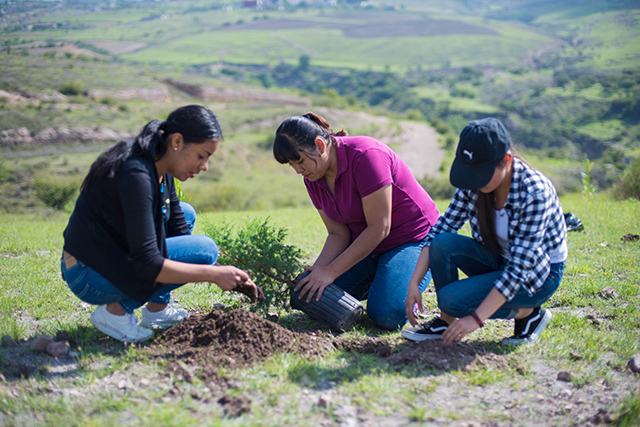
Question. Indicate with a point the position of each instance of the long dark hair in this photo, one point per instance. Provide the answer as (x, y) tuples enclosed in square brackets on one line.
[(195, 123), (297, 135), (485, 206)]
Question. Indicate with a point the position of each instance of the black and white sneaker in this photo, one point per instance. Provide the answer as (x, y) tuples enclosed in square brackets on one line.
[(528, 329), (432, 330)]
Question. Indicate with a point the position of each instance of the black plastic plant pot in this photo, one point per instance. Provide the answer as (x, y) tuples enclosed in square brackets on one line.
[(336, 308)]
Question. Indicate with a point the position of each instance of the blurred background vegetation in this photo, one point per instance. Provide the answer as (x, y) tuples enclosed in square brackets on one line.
[(79, 75)]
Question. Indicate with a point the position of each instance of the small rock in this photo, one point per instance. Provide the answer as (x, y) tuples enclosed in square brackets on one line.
[(8, 341), (124, 384), (235, 406), (41, 343), (564, 376), (566, 393), (634, 363), (324, 401), (594, 320), (609, 293), (57, 348), (575, 356)]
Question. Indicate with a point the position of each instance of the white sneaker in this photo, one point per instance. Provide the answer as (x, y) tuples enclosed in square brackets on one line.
[(166, 317), (123, 328)]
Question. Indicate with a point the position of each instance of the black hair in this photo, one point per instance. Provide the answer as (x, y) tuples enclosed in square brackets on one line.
[(297, 135), (485, 205), (195, 123)]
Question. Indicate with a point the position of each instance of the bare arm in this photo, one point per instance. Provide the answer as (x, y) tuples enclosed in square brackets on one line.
[(413, 294), (227, 277), (377, 211), (465, 325), (338, 239)]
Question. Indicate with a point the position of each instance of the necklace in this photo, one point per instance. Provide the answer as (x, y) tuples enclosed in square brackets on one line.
[(165, 202)]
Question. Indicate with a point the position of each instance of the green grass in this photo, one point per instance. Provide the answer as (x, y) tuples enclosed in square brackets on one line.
[(35, 300)]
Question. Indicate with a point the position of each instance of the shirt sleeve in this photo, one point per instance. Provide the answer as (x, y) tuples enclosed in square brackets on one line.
[(372, 171), (527, 256), (136, 191)]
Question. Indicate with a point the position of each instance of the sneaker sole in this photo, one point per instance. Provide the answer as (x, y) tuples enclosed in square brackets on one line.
[(117, 334), (163, 325), (413, 336), (535, 335), (160, 325)]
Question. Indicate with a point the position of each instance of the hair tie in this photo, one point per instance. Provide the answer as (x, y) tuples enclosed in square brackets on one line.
[(163, 126)]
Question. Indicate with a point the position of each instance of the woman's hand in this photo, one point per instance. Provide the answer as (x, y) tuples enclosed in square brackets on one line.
[(251, 290), (413, 297), (230, 278), (458, 329), (227, 277), (307, 268), (314, 283)]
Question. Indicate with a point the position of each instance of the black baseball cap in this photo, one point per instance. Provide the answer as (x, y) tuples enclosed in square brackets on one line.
[(483, 144)]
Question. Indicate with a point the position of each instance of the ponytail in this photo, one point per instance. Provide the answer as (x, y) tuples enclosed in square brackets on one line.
[(324, 124), (195, 123), (297, 135)]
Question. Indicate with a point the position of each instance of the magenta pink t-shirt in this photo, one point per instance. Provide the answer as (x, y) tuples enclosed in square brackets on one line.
[(365, 165)]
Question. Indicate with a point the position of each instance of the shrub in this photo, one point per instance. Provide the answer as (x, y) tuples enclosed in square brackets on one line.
[(74, 87), (629, 185), (463, 91), (259, 248), (55, 191)]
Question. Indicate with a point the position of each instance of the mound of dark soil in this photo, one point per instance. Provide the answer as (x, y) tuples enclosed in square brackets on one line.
[(202, 344), (235, 339), (399, 352)]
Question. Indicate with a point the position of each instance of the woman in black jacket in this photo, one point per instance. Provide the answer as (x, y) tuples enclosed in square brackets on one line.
[(128, 244)]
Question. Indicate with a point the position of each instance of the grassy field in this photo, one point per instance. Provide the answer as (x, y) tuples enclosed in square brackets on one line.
[(590, 337), (432, 34)]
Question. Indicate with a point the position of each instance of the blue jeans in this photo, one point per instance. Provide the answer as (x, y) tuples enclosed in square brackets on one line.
[(449, 252), (93, 288), (383, 280)]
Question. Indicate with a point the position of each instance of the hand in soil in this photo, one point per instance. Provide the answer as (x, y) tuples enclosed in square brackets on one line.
[(251, 290)]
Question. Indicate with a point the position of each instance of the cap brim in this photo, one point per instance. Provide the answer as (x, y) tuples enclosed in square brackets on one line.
[(468, 177)]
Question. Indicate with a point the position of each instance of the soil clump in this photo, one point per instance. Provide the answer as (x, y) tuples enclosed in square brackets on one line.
[(237, 339)]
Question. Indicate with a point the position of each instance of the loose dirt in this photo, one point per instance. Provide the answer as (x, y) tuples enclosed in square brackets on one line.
[(217, 346), (237, 339)]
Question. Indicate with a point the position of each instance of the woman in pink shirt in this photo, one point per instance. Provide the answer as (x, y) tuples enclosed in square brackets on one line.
[(377, 215)]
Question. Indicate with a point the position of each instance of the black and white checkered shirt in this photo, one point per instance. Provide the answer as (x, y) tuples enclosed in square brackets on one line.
[(536, 227)]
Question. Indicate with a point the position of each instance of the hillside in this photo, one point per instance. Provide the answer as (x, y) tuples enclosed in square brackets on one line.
[(561, 75)]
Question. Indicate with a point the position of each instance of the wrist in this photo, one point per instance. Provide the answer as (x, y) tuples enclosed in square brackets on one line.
[(477, 319)]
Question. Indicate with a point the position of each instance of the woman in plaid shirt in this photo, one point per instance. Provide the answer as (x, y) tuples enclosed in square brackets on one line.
[(516, 257)]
